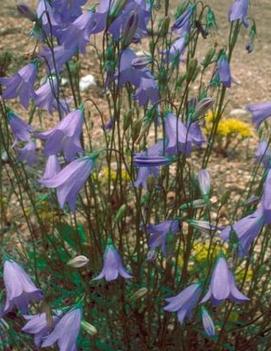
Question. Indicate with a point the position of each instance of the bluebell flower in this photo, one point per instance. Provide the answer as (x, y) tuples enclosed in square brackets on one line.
[(68, 10), (184, 302), (183, 23), (266, 199), (70, 180), (145, 172), (65, 136), (112, 265), (21, 84), (76, 35), (48, 19), (38, 326), (127, 72), (246, 230), (45, 96), (160, 232), (263, 154), (52, 168), (223, 71), (56, 61), (260, 112), (28, 153), (20, 290), (66, 331), (222, 285), (239, 11), (147, 92), (20, 129), (207, 322)]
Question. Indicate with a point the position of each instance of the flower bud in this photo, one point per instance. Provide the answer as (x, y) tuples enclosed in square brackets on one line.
[(25, 11), (192, 69), (130, 28), (203, 106), (136, 130), (164, 26), (139, 293), (78, 261), (88, 328), (208, 58), (204, 182), (141, 61)]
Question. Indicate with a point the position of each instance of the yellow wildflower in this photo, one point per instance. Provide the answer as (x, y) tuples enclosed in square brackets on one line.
[(228, 127)]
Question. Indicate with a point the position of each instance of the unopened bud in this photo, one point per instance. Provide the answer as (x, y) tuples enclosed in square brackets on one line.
[(141, 62), (164, 26), (136, 130), (203, 106), (121, 212), (192, 69), (78, 261), (130, 28), (25, 11), (208, 58), (204, 183), (139, 293), (88, 328)]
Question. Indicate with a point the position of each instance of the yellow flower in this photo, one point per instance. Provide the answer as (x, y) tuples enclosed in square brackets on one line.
[(228, 127), (105, 174)]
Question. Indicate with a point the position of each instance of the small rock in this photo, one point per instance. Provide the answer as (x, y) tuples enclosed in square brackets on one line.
[(86, 82), (238, 112)]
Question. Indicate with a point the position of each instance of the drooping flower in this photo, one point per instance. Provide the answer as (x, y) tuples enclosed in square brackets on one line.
[(207, 322), (68, 10), (263, 154), (183, 23), (222, 285), (203, 226), (266, 199), (21, 84), (246, 230), (52, 168), (56, 58), (20, 129), (239, 11), (39, 326), (70, 180), (145, 172), (176, 49), (178, 139), (147, 92), (160, 232), (65, 136), (184, 302), (259, 112), (127, 73), (142, 12), (48, 19), (45, 96), (112, 265), (28, 153), (76, 36), (204, 182), (224, 71), (20, 290), (140, 160), (66, 331)]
